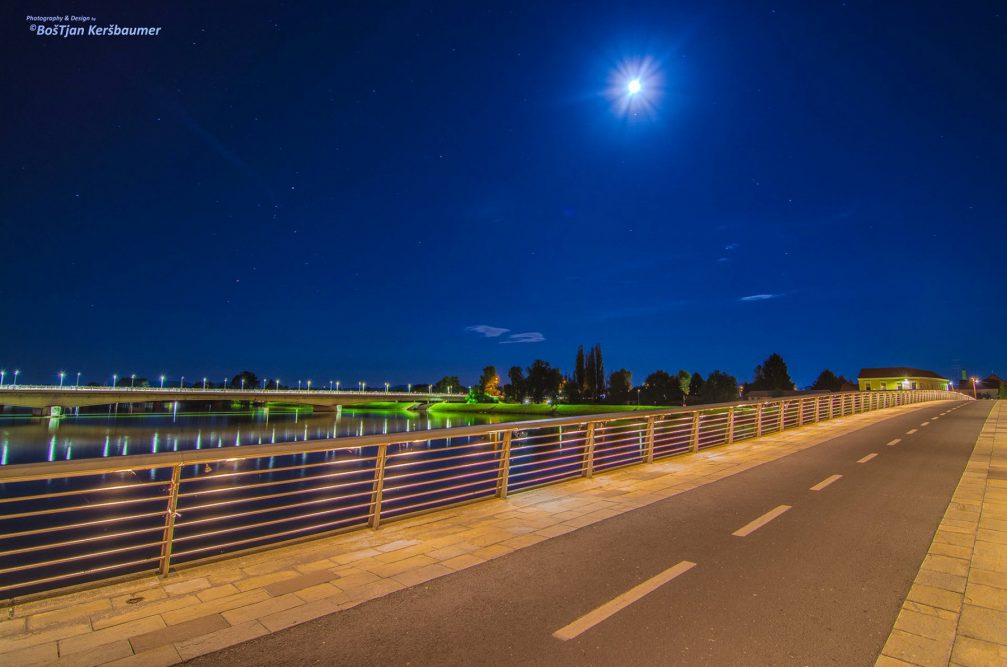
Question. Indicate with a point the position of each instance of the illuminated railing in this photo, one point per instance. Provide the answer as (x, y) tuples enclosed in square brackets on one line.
[(69, 522)]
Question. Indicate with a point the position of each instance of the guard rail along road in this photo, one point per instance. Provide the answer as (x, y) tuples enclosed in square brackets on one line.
[(69, 523)]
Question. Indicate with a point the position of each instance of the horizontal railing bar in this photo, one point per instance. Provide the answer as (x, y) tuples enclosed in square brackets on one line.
[(80, 508), (276, 508), (279, 482), (362, 519), (269, 471), (82, 540), (248, 526), (78, 492), (283, 494), (71, 559), (75, 526), (79, 573)]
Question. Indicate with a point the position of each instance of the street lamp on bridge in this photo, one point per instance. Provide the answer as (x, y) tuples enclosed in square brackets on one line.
[(77, 384), (181, 383), (132, 380), (309, 385), (16, 371), (61, 375), (337, 385), (264, 384), (204, 383), (386, 387), (2, 373), (114, 378), (162, 382), (277, 384)]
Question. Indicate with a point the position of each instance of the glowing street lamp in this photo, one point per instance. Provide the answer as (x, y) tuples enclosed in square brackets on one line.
[(974, 395), (277, 384), (2, 373), (114, 378), (409, 388), (337, 385), (204, 383), (162, 382), (386, 387), (298, 385), (330, 385), (62, 374), (132, 380), (243, 384), (77, 384), (16, 371), (309, 385), (181, 382), (264, 384)]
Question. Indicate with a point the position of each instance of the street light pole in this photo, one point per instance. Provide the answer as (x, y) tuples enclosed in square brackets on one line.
[(114, 377), (61, 374), (181, 383), (2, 373), (16, 371), (77, 384), (132, 380), (162, 382), (204, 383)]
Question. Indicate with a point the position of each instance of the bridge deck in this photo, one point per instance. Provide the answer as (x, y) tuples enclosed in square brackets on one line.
[(210, 607)]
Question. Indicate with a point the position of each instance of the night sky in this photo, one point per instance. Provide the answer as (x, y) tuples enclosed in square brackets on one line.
[(369, 191)]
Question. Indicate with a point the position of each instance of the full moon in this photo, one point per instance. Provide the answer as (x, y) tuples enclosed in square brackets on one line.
[(634, 86)]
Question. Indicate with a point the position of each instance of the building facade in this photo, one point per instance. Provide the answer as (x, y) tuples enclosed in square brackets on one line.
[(894, 379)]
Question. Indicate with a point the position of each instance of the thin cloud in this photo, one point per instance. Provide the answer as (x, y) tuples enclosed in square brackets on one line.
[(759, 297), (731, 246), (528, 337), (487, 330)]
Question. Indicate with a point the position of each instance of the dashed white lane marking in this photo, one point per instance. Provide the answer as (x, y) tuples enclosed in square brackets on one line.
[(925, 424), (868, 457), (753, 526), (911, 431), (593, 618), (894, 442), (825, 482), (933, 419)]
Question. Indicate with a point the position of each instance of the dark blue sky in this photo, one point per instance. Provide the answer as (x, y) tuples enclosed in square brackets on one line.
[(340, 190)]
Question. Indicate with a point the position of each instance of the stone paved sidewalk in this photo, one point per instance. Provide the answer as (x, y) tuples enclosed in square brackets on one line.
[(956, 611), (154, 621)]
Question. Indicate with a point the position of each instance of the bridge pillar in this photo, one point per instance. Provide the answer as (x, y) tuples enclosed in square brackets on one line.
[(49, 411)]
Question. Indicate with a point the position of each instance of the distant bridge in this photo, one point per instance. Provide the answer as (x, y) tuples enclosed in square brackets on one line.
[(53, 400)]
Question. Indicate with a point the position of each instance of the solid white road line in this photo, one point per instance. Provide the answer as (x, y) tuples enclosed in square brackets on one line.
[(894, 442), (825, 482), (911, 431), (868, 457), (750, 528), (593, 618)]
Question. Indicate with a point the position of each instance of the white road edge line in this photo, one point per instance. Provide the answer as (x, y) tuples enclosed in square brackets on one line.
[(894, 442), (614, 606), (825, 482), (753, 526), (868, 457), (911, 431)]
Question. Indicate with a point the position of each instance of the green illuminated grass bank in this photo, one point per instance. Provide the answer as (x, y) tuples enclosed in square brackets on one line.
[(536, 409)]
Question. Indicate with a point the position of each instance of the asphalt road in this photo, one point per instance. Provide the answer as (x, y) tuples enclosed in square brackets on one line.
[(819, 584)]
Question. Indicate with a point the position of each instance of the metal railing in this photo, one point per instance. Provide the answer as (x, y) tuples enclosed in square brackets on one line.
[(69, 522)]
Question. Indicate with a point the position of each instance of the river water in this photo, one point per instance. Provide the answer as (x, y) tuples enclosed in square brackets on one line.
[(26, 439)]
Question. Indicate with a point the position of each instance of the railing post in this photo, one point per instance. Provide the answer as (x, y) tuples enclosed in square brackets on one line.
[(648, 441), (589, 451), (694, 436), (818, 409), (504, 474), (378, 490), (800, 412), (832, 406), (730, 425), (758, 420), (169, 520), (783, 414)]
